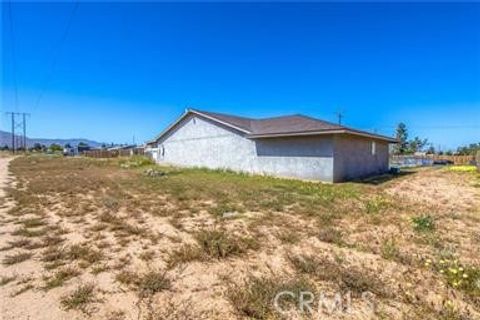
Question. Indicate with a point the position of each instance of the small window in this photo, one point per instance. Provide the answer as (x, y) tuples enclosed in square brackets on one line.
[(163, 151), (374, 148)]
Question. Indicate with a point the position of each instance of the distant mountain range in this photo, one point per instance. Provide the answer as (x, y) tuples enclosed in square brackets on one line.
[(6, 139)]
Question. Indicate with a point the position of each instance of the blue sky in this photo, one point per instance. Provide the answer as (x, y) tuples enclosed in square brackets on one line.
[(129, 69)]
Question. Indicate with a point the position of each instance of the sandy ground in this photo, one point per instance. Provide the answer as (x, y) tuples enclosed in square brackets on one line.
[(198, 288), (430, 186), (31, 304)]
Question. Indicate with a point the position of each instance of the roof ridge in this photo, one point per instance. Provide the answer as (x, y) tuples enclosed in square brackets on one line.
[(220, 114), (278, 117), (324, 121)]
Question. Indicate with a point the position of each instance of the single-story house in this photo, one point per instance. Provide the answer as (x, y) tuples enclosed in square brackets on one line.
[(294, 146)]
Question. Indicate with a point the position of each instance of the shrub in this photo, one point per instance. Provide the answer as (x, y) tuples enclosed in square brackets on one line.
[(185, 254), (389, 249), (60, 277), (146, 284), (331, 235), (346, 278), (136, 162), (254, 299), (217, 244), (79, 298), (423, 223), (152, 282)]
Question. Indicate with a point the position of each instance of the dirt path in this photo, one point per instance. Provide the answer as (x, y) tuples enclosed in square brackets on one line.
[(20, 297)]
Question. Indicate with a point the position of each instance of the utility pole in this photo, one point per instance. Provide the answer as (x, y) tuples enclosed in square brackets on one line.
[(22, 125), (339, 116), (25, 132), (13, 132)]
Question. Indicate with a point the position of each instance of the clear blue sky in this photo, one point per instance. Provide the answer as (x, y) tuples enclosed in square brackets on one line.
[(129, 69)]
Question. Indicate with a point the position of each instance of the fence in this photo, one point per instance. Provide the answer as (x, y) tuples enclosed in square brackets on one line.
[(113, 153), (429, 159)]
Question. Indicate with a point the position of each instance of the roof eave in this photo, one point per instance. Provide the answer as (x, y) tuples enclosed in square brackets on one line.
[(192, 111), (320, 132)]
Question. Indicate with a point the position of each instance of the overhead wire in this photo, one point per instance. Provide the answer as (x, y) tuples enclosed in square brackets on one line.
[(14, 59), (56, 54)]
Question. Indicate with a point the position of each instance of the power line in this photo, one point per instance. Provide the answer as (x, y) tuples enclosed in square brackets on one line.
[(434, 127), (56, 54), (14, 60)]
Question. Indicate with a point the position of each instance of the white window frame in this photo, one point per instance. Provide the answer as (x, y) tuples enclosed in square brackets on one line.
[(374, 148)]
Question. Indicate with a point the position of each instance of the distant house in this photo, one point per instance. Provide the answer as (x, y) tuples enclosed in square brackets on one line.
[(289, 146)]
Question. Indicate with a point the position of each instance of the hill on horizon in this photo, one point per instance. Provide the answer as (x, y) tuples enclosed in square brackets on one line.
[(6, 139)]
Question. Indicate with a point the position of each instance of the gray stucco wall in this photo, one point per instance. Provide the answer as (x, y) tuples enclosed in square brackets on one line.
[(353, 157), (196, 141), (299, 157)]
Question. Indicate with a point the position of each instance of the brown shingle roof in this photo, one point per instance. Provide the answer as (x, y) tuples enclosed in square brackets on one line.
[(286, 125), (281, 126)]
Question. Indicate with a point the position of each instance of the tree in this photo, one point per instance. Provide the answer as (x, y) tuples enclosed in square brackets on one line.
[(82, 145), (416, 145), (67, 146), (402, 137), (55, 147), (471, 149), (431, 149)]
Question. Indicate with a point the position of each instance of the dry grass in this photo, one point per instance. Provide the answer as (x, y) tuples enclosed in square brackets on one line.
[(59, 278), (16, 258), (254, 298), (116, 222), (79, 298)]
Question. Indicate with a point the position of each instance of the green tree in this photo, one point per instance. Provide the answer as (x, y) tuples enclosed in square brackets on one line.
[(431, 149), (471, 149), (417, 145), (401, 134), (55, 147)]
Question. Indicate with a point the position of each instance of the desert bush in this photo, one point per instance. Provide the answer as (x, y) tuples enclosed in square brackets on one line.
[(185, 254), (79, 298), (389, 249), (254, 299), (146, 284), (376, 205), (83, 252), (331, 235), (136, 162), (218, 244), (152, 282), (423, 223), (458, 276), (58, 279), (346, 278)]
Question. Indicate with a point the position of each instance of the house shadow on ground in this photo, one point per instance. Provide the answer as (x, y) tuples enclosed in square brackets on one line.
[(383, 178)]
